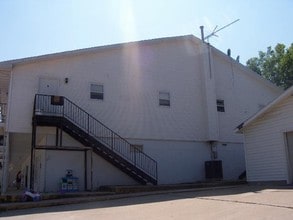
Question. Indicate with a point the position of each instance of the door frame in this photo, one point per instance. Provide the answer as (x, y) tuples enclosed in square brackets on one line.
[(52, 79)]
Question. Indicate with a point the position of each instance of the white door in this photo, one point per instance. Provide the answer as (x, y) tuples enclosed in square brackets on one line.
[(290, 155), (48, 86)]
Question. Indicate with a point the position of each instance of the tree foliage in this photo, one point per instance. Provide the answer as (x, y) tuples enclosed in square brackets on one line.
[(275, 65)]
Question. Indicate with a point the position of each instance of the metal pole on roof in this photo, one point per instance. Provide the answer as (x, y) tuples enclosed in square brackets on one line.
[(216, 31)]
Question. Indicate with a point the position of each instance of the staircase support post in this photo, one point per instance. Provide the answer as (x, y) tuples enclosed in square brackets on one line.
[(34, 130), (85, 170)]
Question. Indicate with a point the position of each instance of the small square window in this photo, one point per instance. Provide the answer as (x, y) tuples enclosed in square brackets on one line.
[(97, 91), (164, 98), (220, 105)]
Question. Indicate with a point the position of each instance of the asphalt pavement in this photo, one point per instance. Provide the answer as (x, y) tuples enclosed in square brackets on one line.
[(238, 202)]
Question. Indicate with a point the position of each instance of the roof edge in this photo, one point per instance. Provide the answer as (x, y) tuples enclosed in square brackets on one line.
[(284, 95), (58, 55)]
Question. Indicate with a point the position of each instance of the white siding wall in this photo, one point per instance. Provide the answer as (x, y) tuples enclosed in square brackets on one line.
[(105, 173), (265, 151), (178, 161), (243, 93), (132, 79), (19, 154), (233, 160), (56, 165)]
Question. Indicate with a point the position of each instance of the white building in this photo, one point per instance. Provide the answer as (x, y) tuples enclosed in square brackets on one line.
[(175, 99), (269, 142)]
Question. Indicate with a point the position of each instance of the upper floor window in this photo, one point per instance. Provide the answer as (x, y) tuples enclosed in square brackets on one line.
[(97, 91), (220, 105), (164, 98)]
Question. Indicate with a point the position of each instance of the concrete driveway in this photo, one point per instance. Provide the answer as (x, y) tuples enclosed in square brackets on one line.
[(242, 202)]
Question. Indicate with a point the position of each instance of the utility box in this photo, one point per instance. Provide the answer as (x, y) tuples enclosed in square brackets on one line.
[(214, 170)]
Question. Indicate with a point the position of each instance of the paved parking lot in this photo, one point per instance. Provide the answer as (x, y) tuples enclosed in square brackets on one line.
[(242, 202)]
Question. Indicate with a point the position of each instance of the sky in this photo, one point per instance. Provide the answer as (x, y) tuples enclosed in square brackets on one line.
[(38, 27)]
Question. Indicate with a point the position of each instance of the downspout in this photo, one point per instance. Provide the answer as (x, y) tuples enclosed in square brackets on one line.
[(34, 130), (211, 97)]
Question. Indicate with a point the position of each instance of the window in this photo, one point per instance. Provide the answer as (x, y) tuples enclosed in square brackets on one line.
[(220, 105), (136, 148), (97, 91), (164, 98)]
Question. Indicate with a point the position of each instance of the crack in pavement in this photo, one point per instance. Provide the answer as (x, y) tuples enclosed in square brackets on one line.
[(243, 202)]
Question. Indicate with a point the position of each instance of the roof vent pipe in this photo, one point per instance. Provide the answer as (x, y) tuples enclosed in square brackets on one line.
[(202, 33)]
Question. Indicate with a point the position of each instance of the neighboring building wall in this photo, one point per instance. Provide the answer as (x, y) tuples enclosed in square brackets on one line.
[(265, 144)]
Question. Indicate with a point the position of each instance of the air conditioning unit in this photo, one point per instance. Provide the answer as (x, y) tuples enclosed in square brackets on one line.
[(214, 170)]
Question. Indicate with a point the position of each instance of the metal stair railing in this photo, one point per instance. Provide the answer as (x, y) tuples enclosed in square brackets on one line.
[(60, 106)]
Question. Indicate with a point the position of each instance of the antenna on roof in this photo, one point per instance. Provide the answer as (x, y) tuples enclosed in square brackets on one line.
[(215, 30)]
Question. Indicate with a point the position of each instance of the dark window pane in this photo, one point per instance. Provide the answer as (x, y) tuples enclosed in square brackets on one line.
[(220, 109), (164, 102), (95, 95), (220, 105)]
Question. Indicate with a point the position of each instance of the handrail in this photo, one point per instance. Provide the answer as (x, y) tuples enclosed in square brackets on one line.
[(3, 112), (61, 106)]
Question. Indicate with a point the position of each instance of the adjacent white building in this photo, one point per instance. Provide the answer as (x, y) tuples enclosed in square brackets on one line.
[(269, 142), (175, 99)]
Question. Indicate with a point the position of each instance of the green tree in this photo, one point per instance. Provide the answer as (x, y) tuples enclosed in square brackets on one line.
[(275, 65)]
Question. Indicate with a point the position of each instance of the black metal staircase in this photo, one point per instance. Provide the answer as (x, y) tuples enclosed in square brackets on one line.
[(60, 112)]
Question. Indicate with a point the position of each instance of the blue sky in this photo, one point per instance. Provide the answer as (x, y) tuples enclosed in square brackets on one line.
[(36, 27)]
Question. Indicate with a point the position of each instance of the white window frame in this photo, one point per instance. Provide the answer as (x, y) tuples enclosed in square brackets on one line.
[(97, 95)]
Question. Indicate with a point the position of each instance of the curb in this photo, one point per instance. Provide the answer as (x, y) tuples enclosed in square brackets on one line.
[(76, 200)]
